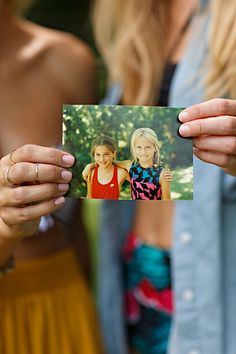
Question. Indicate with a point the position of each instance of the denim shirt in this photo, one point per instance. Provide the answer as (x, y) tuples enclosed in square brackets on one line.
[(204, 246)]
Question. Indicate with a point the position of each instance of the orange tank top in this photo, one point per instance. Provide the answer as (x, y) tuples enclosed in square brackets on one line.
[(109, 190)]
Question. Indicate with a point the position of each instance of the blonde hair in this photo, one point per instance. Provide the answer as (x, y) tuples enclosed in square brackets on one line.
[(130, 33), (222, 65), (103, 140), (151, 136)]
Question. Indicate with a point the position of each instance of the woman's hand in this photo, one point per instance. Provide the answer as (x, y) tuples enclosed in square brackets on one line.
[(212, 124), (33, 180)]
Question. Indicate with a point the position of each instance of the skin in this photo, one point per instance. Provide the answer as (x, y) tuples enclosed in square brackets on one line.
[(212, 125), (40, 69), (104, 157)]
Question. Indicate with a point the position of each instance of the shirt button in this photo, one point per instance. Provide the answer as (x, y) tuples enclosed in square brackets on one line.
[(188, 296), (185, 237), (195, 351)]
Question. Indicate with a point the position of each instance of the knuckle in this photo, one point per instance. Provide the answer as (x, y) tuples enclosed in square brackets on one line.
[(53, 174), (196, 110), (4, 214), (23, 215), (231, 124), (201, 126), (2, 162), (27, 150), (19, 195), (232, 145), (225, 159), (52, 155), (223, 105), (52, 190), (20, 171)]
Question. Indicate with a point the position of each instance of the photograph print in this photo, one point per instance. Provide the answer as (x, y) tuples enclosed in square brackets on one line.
[(127, 153)]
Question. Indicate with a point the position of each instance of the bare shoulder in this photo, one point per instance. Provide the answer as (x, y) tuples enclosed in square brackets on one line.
[(69, 60)]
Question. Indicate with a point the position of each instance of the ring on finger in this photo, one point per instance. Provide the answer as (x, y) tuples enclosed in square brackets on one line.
[(8, 178), (11, 157), (37, 173)]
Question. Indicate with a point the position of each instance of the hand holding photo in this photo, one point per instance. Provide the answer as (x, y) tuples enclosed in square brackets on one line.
[(127, 152)]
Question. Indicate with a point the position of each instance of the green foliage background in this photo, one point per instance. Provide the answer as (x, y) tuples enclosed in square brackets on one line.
[(82, 124)]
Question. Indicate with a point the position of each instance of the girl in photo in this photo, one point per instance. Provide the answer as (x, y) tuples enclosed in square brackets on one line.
[(106, 177), (147, 179)]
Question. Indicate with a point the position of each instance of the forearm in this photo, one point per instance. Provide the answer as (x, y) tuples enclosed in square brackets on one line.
[(165, 186)]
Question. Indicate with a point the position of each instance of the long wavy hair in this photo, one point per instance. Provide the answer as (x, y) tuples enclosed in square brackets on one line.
[(221, 79), (130, 33)]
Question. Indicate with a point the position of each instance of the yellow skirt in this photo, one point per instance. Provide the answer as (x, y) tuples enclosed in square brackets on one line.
[(46, 308)]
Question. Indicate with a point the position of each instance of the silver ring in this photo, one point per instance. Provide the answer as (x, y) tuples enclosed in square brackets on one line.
[(8, 178)]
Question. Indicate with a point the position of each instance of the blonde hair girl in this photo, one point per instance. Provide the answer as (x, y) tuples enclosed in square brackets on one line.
[(147, 178)]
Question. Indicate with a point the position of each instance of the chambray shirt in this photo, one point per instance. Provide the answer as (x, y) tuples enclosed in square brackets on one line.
[(204, 248)]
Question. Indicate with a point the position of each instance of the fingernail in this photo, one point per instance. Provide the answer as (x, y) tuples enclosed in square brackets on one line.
[(62, 187), (68, 159), (66, 175), (184, 130), (59, 200), (183, 116)]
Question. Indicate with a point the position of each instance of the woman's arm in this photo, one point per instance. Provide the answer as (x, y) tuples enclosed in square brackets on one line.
[(165, 187), (212, 124)]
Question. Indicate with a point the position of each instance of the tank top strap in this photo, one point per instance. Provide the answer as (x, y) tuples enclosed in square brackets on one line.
[(115, 174), (95, 176)]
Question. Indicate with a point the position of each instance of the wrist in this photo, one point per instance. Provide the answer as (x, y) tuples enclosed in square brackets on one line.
[(8, 233), (17, 232), (10, 238)]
